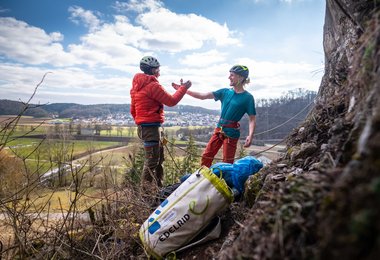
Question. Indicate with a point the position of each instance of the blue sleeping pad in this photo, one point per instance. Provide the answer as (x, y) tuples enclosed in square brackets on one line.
[(237, 173)]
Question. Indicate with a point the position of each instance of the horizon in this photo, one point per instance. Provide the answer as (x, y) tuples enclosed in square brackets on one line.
[(93, 49), (128, 104)]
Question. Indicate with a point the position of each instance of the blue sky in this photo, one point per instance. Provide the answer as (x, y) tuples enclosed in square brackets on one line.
[(93, 48)]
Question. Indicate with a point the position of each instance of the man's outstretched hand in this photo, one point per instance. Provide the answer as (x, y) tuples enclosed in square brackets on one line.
[(175, 86), (187, 84)]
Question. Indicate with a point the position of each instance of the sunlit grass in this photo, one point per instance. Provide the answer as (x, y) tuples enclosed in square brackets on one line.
[(24, 147), (60, 200), (40, 156), (39, 166)]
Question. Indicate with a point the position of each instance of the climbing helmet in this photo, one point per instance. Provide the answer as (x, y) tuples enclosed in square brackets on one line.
[(240, 70), (148, 63)]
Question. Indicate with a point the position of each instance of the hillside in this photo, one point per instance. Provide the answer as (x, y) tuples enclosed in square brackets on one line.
[(72, 110), (9, 107)]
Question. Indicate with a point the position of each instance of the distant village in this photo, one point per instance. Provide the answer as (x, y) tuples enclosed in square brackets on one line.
[(172, 118)]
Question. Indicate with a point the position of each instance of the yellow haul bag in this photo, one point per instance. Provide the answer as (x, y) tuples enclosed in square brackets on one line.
[(185, 213)]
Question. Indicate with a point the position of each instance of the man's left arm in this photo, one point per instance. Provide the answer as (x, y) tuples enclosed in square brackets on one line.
[(252, 126)]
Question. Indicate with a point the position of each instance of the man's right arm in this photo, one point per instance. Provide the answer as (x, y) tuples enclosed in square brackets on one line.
[(198, 95), (160, 94)]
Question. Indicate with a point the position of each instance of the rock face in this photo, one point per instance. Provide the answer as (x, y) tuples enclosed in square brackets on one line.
[(331, 207)]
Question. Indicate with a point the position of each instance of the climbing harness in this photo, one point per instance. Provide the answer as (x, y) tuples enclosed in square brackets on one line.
[(235, 158), (229, 124)]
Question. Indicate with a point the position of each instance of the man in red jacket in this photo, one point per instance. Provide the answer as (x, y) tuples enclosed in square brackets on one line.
[(148, 98)]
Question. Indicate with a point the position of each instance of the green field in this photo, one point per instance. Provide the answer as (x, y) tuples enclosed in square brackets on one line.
[(99, 165), (44, 149), (42, 155)]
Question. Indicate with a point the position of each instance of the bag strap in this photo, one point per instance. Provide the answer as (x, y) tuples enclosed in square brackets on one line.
[(213, 234)]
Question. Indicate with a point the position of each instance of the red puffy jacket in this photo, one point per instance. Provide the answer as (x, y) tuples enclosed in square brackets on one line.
[(148, 98)]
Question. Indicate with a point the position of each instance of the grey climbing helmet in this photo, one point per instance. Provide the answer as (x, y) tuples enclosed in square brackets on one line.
[(148, 63), (240, 70)]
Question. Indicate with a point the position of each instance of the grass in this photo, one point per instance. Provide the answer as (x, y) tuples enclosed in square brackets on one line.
[(116, 157), (91, 190), (40, 158), (20, 142), (24, 147), (129, 131), (60, 200), (38, 166)]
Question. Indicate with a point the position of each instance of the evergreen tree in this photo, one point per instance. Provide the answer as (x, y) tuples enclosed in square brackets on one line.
[(171, 163), (191, 161), (136, 164)]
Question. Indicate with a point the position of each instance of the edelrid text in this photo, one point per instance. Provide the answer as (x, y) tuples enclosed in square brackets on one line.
[(175, 227)]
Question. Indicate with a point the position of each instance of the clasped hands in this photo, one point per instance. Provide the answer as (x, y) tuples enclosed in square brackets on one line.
[(187, 84)]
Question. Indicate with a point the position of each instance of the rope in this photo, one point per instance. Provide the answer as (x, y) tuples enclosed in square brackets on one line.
[(286, 120), (255, 154), (273, 146), (220, 159)]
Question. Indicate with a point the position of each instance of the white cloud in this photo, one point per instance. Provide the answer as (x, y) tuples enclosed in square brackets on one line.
[(108, 53), (119, 43), (138, 5), (203, 59), (111, 46), (32, 45), (173, 32), (268, 79), (164, 30), (276, 78), (89, 19), (115, 44), (82, 86)]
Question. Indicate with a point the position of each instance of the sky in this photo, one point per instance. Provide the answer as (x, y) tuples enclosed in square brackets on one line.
[(90, 50)]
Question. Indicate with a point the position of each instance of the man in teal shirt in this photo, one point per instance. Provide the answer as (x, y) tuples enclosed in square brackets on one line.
[(236, 102)]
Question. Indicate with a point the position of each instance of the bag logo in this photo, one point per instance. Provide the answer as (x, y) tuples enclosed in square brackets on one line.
[(174, 228)]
